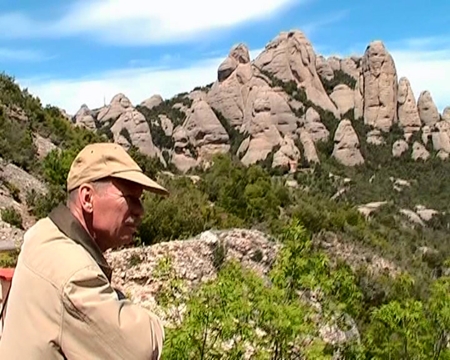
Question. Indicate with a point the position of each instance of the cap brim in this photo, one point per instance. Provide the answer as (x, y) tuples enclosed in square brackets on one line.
[(142, 179)]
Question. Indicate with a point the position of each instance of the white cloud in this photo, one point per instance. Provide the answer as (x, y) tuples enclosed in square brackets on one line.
[(143, 22), (137, 84)]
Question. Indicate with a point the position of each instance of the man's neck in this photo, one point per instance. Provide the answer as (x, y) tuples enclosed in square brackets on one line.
[(78, 214)]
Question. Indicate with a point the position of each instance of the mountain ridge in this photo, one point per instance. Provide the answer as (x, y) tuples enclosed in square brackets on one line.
[(284, 102)]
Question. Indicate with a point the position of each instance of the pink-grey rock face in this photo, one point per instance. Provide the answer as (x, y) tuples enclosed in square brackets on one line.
[(288, 155), (152, 101), (428, 112), (203, 131), (315, 127), (446, 114), (343, 97), (246, 97), (324, 69), (399, 147), (84, 118), (119, 104), (346, 148), (290, 56), (380, 87), (131, 128), (408, 114)]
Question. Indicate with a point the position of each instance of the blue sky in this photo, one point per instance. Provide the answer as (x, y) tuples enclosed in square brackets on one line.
[(74, 52)]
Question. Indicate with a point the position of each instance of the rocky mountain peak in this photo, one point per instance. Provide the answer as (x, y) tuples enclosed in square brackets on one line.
[(379, 87), (152, 101), (285, 104), (240, 53)]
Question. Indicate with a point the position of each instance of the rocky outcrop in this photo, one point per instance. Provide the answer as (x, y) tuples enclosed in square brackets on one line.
[(264, 134), (281, 94), (152, 101), (346, 145), (143, 273), (118, 105), (229, 93), (419, 152), (85, 118), (314, 126), (441, 138), (380, 87), (15, 186), (11, 237), (399, 147), (324, 69), (199, 138), (408, 114), (43, 146), (446, 114), (131, 128), (428, 112), (290, 56), (343, 97), (288, 155), (310, 152), (192, 260), (204, 131)]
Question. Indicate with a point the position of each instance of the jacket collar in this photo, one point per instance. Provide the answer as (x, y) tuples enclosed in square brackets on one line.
[(71, 227)]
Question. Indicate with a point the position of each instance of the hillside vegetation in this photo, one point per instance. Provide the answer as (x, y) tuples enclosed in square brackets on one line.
[(402, 314)]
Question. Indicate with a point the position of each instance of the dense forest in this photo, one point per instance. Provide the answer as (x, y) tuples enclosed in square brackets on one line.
[(404, 315)]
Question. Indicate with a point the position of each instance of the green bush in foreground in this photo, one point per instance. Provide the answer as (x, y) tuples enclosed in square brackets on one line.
[(240, 314)]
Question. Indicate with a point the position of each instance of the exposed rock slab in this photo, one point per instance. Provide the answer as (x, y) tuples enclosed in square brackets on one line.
[(419, 152), (380, 87), (346, 145), (399, 147), (288, 155), (343, 97), (152, 101), (408, 114), (290, 56), (131, 128), (428, 112), (84, 118), (118, 105)]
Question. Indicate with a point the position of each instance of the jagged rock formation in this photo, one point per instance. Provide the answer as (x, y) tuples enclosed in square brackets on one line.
[(203, 130), (290, 56), (428, 112), (152, 101), (15, 185), (379, 87), (408, 113), (346, 148), (84, 118), (288, 96)]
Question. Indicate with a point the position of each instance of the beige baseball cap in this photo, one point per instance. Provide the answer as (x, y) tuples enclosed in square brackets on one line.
[(101, 160)]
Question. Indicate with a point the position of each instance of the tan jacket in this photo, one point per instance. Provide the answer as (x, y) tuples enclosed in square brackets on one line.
[(62, 306)]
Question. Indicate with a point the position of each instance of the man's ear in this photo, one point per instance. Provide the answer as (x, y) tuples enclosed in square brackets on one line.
[(85, 196)]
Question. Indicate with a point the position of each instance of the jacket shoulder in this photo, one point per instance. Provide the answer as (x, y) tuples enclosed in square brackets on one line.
[(51, 254)]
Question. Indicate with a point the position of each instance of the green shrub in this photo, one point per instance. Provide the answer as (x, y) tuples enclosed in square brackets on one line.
[(11, 216)]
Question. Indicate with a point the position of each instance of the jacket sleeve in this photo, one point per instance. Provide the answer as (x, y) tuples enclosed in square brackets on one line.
[(97, 325)]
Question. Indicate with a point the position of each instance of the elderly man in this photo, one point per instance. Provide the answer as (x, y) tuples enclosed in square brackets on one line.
[(61, 304)]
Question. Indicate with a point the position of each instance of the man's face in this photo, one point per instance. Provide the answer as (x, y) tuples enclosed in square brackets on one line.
[(116, 212)]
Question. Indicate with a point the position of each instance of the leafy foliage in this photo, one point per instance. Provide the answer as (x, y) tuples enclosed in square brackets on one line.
[(339, 77), (11, 216)]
